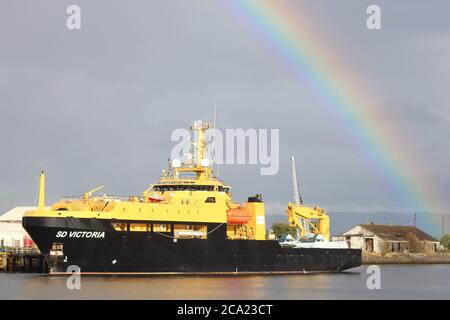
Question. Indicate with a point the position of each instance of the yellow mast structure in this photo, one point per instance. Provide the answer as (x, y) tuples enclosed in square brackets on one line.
[(201, 166), (41, 205)]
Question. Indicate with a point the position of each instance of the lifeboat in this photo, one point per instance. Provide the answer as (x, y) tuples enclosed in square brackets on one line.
[(155, 198), (238, 216)]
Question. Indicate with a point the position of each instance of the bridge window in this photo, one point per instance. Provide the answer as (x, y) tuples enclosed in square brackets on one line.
[(164, 188), (210, 200), (223, 189)]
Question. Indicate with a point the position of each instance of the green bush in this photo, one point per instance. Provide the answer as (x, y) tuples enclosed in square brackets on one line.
[(445, 241), (282, 229)]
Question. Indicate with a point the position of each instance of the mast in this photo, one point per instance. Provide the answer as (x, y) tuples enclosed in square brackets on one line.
[(41, 204), (200, 128), (202, 165)]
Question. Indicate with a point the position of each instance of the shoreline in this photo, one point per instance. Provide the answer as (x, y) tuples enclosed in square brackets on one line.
[(407, 258)]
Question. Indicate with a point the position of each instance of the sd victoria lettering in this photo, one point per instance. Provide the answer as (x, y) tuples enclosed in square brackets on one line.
[(81, 234)]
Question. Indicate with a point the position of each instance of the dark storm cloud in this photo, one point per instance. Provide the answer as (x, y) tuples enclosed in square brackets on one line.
[(97, 106)]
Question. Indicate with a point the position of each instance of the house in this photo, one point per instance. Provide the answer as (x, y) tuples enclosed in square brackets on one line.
[(381, 238), (12, 234)]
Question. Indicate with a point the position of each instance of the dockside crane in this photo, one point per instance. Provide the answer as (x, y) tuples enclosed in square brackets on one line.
[(308, 220)]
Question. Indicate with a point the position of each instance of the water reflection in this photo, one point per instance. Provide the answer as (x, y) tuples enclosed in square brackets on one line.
[(407, 282)]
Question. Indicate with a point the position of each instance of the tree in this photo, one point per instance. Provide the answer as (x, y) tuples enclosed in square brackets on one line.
[(414, 244), (282, 229), (445, 241), (385, 248)]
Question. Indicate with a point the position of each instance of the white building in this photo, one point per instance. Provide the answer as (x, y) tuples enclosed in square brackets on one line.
[(378, 238), (12, 234)]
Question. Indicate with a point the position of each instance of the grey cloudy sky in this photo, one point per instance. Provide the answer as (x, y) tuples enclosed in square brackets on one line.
[(98, 105)]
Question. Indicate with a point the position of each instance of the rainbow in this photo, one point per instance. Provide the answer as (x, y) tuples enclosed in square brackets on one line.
[(294, 36)]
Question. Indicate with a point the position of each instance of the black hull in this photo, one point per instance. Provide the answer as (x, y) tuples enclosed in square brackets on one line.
[(148, 252)]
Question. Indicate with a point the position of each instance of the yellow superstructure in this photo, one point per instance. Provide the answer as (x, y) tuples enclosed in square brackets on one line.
[(186, 193)]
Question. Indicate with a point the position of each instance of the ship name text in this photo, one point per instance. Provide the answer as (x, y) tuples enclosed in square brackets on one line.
[(80, 234)]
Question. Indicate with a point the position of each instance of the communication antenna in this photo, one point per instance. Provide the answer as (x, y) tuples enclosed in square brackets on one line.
[(192, 143), (213, 158)]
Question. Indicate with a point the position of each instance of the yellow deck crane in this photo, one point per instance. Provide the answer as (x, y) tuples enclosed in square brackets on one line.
[(309, 220), (89, 193)]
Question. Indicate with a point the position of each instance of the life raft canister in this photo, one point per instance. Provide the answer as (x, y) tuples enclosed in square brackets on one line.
[(238, 216)]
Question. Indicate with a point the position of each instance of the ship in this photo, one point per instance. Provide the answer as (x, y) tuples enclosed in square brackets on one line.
[(185, 223)]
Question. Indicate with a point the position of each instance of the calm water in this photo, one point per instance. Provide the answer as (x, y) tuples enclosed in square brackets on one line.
[(397, 282)]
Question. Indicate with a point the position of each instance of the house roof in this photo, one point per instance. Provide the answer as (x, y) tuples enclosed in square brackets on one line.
[(389, 232), (15, 214)]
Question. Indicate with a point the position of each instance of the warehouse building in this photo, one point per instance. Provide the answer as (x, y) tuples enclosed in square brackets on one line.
[(387, 238), (12, 234)]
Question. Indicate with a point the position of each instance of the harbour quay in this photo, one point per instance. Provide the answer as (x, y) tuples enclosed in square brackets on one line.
[(23, 262)]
